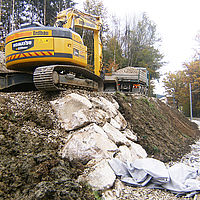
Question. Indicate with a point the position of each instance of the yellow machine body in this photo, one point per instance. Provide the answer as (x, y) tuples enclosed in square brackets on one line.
[(29, 48), (32, 47), (53, 58)]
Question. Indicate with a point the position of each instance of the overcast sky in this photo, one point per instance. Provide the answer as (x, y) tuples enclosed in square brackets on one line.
[(178, 22)]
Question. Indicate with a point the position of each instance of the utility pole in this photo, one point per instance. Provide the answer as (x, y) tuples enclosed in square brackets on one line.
[(190, 87)]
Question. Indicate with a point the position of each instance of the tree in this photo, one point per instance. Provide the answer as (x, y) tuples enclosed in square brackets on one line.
[(31, 10), (112, 48), (112, 53), (177, 85), (95, 7), (193, 77), (140, 46)]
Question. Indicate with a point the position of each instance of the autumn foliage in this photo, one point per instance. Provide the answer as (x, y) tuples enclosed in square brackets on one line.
[(177, 86)]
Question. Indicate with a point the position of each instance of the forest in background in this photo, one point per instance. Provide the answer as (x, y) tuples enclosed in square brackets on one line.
[(177, 86)]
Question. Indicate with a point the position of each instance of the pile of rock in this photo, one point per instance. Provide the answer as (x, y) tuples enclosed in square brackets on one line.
[(131, 70), (97, 133), (93, 132)]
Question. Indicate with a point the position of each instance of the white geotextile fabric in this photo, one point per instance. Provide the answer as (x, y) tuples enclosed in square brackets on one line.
[(179, 179)]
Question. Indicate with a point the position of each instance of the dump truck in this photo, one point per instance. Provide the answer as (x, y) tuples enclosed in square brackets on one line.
[(128, 80)]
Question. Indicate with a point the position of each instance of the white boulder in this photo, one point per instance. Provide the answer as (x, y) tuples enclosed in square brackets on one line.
[(89, 143), (130, 135), (136, 148), (105, 105), (76, 111), (115, 135), (115, 193), (118, 122), (126, 155), (100, 176)]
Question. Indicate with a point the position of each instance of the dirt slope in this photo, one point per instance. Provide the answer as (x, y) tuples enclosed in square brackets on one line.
[(30, 167), (162, 131), (30, 136)]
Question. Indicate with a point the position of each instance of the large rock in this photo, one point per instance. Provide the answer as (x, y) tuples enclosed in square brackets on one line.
[(126, 155), (130, 135), (107, 106), (116, 192), (89, 143), (100, 176), (118, 121), (76, 111), (115, 135), (138, 150)]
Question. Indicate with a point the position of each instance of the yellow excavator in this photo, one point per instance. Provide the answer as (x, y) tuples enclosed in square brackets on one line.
[(53, 58)]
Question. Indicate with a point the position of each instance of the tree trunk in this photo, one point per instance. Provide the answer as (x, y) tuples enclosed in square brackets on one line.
[(13, 12), (45, 11), (0, 9)]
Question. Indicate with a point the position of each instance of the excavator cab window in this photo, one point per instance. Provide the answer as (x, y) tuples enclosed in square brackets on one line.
[(79, 30), (59, 24)]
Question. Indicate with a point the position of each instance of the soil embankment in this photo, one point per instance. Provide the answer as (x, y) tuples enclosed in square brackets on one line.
[(162, 131), (30, 136)]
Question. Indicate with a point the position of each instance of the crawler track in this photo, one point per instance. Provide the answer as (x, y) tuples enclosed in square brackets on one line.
[(43, 78), (48, 78)]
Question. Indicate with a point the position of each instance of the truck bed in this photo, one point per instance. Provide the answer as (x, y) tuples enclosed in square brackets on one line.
[(128, 79)]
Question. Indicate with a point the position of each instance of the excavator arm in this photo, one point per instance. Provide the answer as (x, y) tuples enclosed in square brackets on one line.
[(72, 18)]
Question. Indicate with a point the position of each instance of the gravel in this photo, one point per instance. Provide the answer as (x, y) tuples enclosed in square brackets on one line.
[(141, 193), (128, 70), (40, 103)]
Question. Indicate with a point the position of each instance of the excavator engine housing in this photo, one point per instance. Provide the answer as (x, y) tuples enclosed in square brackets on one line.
[(39, 46)]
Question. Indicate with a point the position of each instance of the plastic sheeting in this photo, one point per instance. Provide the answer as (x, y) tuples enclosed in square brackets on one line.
[(179, 178)]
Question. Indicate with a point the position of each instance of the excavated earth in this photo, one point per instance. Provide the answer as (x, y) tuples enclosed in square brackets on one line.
[(30, 136), (29, 140), (31, 167), (163, 132)]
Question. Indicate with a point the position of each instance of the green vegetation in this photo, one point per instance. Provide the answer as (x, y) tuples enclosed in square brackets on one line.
[(125, 45), (177, 86), (156, 149), (98, 195)]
